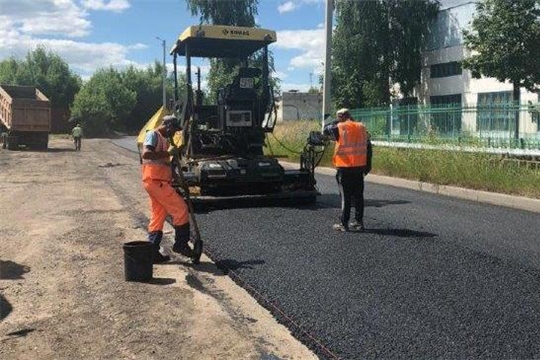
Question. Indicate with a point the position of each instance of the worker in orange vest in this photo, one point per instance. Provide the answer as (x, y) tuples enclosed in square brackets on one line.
[(164, 200), (352, 159)]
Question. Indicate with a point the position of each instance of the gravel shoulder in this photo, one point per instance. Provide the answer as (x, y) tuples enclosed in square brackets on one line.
[(63, 219)]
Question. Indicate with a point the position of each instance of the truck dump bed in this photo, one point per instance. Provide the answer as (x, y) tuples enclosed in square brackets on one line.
[(24, 108)]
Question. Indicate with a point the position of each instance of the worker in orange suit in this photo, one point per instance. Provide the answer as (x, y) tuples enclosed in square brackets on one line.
[(352, 159), (164, 200)]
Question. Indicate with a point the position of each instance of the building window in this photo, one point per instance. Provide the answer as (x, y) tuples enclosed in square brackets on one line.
[(445, 100), (445, 114), (445, 69), (494, 111)]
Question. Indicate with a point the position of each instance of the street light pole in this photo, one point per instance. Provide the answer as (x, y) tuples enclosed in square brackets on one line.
[(326, 105), (164, 75)]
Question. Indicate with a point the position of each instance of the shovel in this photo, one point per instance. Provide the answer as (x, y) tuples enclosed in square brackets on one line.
[(179, 177)]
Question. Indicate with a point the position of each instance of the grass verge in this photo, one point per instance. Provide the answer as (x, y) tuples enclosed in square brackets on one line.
[(478, 171)]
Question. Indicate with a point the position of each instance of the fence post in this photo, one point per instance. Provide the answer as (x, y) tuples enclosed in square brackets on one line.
[(408, 123)]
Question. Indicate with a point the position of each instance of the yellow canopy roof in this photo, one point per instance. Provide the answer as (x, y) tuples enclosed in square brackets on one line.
[(151, 124), (220, 41), (154, 123)]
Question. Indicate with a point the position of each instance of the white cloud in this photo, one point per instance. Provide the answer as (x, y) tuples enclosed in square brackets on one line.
[(310, 43), (279, 74), (292, 5), (27, 24), (112, 5), (286, 7), (44, 17), (82, 56), (309, 59), (301, 39)]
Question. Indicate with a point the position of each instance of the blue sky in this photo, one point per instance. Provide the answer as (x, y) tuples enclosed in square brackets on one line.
[(90, 34)]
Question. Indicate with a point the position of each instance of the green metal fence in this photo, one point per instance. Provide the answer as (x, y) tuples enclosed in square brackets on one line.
[(486, 125)]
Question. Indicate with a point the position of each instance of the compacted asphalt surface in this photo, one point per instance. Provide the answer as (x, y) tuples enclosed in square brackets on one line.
[(432, 276)]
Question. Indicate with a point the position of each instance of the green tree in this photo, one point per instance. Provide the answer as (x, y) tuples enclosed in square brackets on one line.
[(504, 44), (218, 12), (356, 53), (409, 29), (234, 13), (46, 71), (10, 71), (147, 85), (377, 43), (104, 103)]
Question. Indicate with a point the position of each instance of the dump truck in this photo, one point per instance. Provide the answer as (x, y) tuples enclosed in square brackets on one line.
[(25, 117), (222, 141)]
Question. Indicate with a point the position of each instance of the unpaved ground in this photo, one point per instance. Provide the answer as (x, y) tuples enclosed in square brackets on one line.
[(63, 219)]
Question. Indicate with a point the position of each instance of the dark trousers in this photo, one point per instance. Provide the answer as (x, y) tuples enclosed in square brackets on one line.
[(77, 141), (351, 187)]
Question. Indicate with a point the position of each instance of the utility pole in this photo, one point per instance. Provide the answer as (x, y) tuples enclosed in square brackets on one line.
[(327, 101), (164, 74)]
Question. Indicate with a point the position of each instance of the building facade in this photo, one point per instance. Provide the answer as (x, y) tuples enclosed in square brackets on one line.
[(295, 105), (445, 82)]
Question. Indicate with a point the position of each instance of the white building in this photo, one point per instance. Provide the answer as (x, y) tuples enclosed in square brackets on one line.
[(443, 81), (294, 105)]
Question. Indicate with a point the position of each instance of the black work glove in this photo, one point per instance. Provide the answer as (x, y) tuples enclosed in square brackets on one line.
[(367, 169)]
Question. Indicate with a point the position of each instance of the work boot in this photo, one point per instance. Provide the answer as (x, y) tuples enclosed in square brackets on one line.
[(181, 238), (340, 227), (155, 238), (357, 225)]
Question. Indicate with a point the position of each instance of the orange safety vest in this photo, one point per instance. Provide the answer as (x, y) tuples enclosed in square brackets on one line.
[(351, 147), (157, 169)]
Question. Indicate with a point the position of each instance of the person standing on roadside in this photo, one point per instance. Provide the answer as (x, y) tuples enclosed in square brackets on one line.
[(352, 159), (3, 136), (77, 134), (164, 200)]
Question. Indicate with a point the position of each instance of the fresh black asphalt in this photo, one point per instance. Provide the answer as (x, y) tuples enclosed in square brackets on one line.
[(432, 276)]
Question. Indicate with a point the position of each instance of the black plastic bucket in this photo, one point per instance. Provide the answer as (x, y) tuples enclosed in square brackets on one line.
[(138, 261)]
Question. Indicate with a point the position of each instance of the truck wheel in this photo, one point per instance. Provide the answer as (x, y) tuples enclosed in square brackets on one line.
[(12, 142), (42, 142)]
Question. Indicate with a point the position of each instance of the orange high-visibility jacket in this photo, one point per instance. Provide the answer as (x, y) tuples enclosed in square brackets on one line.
[(157, 169), (351, 147)]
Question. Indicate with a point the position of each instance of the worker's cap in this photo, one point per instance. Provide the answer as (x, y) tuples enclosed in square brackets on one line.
[(342, 112), (172, 122)]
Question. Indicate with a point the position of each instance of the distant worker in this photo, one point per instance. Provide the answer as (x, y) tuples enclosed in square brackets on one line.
[(3, 136), (77, 134), (164, 200), (352, 159)]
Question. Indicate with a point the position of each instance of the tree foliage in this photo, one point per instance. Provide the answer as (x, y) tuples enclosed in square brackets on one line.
[(377, 43), (122, 100), (504, 41), (234, 13), (147, 84), (218, 12), (104, 103), (504, 44), (46, 71)]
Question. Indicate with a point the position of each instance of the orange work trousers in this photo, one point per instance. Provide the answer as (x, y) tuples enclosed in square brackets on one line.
[(165, 200)]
